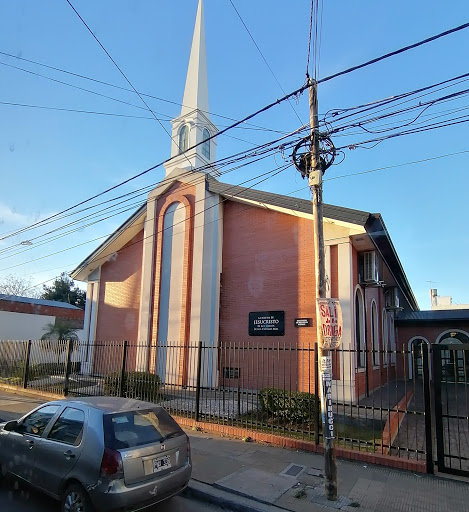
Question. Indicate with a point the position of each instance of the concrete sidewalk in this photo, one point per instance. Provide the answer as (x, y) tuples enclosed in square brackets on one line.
[(249, 476)]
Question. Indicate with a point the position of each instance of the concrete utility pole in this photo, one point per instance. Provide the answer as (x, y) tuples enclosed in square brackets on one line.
[(315, 184)]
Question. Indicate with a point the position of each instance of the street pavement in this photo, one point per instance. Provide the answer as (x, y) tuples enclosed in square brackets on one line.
[(253, 477)]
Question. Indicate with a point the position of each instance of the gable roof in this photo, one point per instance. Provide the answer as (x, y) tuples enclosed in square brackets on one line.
[(38, 302), (235, 192), (436, 315)]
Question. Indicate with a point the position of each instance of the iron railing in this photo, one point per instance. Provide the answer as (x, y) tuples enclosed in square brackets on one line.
[(383, 400)]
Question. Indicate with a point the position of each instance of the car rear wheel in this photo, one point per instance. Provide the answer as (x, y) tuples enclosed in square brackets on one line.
[(75, 499)]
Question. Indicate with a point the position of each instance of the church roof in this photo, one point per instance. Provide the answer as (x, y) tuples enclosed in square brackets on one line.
[(288, 202), (438, 315)]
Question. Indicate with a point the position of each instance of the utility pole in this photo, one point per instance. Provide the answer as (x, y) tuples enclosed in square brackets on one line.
[(315, 184)]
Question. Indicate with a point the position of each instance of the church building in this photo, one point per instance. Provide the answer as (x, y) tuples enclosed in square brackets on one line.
[(205, 261)]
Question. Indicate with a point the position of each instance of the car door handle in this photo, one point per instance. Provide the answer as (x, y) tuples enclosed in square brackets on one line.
[(30, 443), (69, 454)]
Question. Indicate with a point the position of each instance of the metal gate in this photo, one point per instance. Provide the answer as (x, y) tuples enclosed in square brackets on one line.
[(451, 383)]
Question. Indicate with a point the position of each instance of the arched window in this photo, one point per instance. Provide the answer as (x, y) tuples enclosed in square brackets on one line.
[(206, 144), (183, 139), (385, 335), (359, 330), (374, 334)]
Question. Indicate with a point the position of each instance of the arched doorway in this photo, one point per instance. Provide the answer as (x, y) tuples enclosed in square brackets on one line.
[(416, 347), (454, 363)]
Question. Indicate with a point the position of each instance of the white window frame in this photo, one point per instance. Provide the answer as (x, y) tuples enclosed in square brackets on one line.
[(360, 344)]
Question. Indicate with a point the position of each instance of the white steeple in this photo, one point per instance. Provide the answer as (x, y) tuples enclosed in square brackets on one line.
[(193, 126)]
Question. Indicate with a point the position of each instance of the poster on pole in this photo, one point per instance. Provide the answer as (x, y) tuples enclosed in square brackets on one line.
[(326, 397), (330, 318)]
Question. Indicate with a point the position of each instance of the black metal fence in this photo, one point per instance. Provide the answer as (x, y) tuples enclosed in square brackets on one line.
[(384, 401)]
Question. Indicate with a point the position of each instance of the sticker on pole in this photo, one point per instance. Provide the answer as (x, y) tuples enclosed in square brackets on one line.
[(330, 318)]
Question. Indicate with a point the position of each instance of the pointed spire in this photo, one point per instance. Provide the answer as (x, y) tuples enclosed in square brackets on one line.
[(196, 90)]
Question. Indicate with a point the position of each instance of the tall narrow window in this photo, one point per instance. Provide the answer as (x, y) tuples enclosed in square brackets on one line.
[(374, 334), (206, 144), (392, 339), (183, 139), (385, 338), (359, 330)]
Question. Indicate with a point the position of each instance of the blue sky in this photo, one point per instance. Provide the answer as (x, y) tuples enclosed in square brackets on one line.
[(50, 160)]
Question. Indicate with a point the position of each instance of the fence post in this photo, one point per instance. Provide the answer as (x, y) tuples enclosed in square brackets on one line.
[(124, 360), (26, 364), (68, 366), (428, 408), (197, 389), (440, 451)]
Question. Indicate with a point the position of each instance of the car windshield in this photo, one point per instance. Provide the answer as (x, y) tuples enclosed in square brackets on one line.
[(136, 428)]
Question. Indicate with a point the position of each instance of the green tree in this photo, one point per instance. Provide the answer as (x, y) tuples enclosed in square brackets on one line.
[(57, 335), (63, 289)]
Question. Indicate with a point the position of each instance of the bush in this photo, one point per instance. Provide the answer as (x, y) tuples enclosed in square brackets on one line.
[(293, 406), (139, 385), (40, 370)]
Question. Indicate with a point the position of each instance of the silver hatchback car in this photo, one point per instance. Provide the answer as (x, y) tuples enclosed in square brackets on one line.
[(98, 453)]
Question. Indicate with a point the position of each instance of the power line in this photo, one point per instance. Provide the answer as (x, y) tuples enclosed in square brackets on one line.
[(44, 107), (397, 165), (268, 173), (247, 118), (108, 84), (259, 153), (265, 60), (309, 40), (395, 52), (128, 81)]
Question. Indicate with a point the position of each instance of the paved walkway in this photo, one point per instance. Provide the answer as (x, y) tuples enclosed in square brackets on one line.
[(257, 477)]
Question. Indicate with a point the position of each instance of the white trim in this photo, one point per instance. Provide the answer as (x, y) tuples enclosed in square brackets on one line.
[(374, 334), (444, 333), (361, 343), (147, 283)]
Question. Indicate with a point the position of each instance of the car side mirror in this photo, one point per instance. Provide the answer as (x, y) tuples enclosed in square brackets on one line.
[(10, 425)]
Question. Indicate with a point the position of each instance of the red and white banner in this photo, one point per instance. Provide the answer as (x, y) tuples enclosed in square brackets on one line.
[(330, 318)]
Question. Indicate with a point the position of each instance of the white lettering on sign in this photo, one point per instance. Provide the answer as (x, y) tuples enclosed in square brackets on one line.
[(330, 316)]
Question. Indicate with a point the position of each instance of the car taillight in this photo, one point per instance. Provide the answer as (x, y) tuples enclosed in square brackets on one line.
[(111, 463)]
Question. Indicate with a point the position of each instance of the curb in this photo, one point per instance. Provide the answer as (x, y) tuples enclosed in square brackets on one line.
[(237, 503)]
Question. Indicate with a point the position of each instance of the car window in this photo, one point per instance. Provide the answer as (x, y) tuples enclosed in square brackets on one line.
[(69, 427), (37, 421), (136, 428)]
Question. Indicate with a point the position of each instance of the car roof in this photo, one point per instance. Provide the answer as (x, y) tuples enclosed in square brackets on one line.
[(110, 404)]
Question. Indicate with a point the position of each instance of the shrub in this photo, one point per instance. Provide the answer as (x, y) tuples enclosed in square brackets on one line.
[(293, 406), (140, 385)]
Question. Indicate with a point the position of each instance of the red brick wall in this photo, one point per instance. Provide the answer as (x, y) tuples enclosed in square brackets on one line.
[(119, 294), (268, 265), (185, 194)]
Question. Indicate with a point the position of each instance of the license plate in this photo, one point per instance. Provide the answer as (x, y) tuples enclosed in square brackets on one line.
[(161, 463)]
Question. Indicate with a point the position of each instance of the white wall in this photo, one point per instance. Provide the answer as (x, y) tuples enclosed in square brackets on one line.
[(23, 326)]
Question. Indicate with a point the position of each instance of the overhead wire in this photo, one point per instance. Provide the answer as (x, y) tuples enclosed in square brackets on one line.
[(264, 59), (254, 155), (127, 80), (146, 171), (395, 52), (108, 84), (269, 174)]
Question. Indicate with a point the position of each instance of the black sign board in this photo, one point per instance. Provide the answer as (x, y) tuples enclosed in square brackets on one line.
[(267, 323), (303, 322)]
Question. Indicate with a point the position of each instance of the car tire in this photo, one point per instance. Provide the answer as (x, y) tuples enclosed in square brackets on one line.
[(75, 499)]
